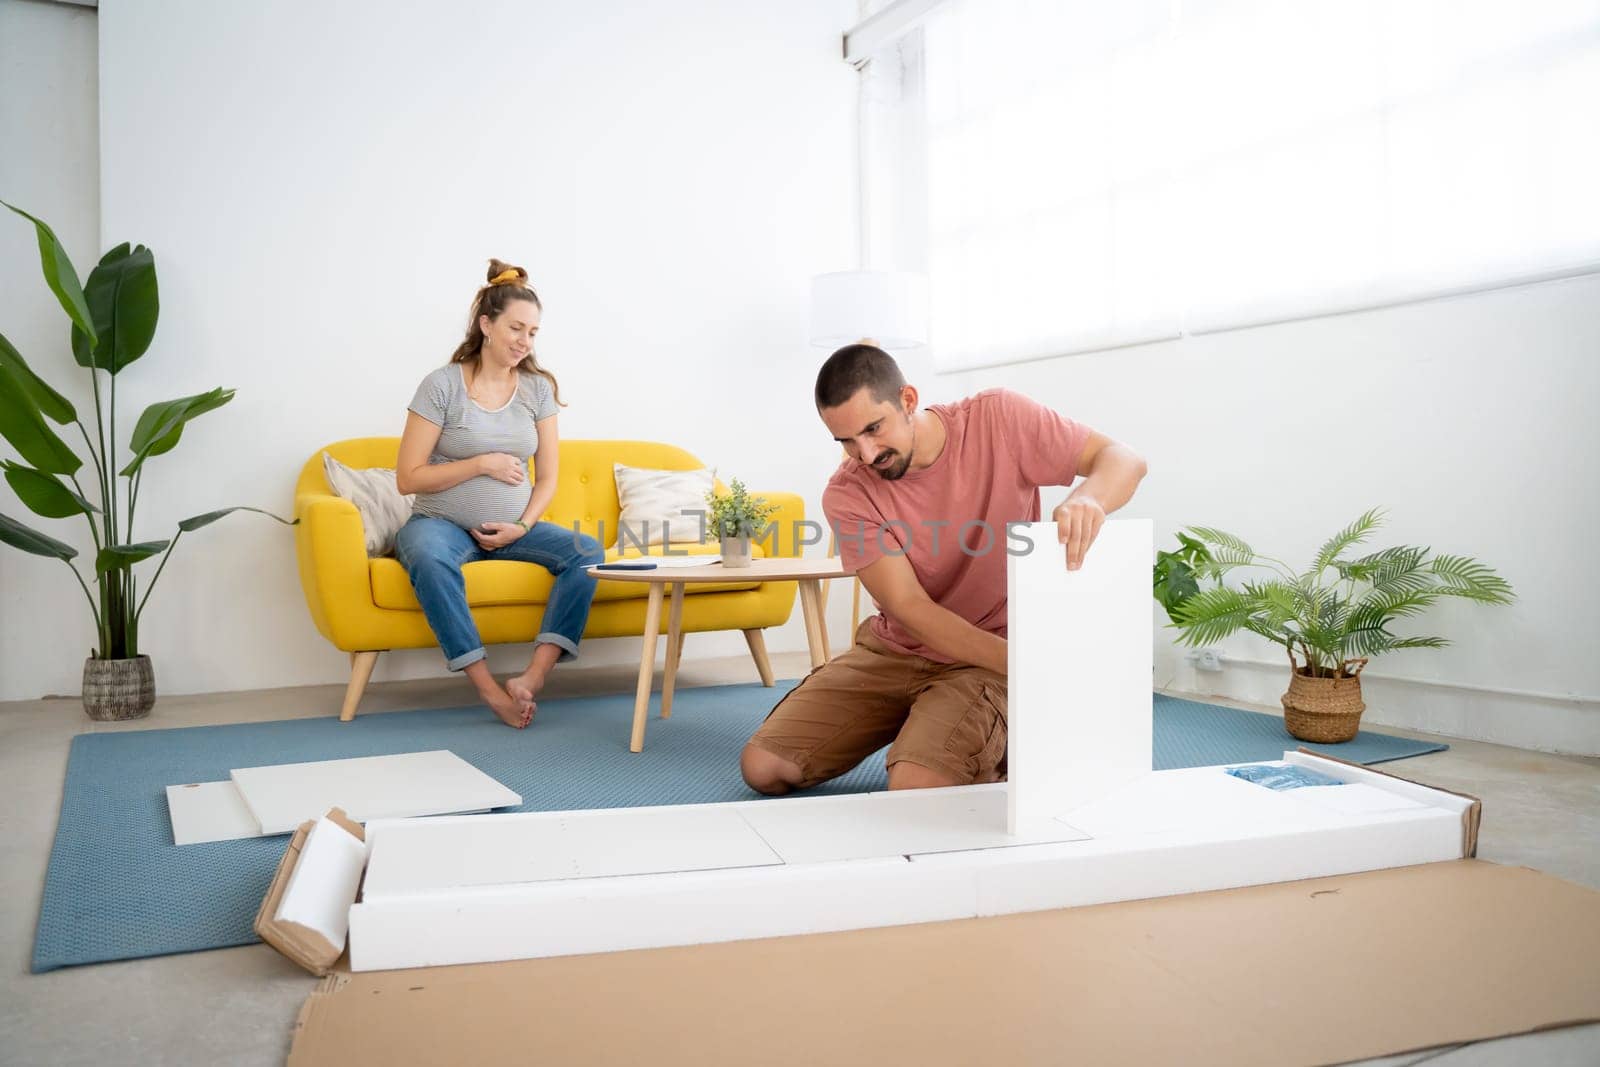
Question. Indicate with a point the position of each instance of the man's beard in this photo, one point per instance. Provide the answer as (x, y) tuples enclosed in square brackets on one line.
[(895, 469)]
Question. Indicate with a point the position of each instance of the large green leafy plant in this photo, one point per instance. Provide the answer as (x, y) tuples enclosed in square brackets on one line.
[(113, 322), (1338, 611)]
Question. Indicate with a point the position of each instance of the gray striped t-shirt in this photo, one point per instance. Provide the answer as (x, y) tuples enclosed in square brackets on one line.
[(468, 429)]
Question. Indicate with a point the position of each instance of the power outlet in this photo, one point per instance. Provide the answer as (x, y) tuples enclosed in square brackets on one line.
[(1206, 659)]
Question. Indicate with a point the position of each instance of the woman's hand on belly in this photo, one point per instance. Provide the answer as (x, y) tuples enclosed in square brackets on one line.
[(503, 467)]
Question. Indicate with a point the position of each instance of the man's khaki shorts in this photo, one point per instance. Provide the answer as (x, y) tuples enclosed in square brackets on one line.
[(948, 717)]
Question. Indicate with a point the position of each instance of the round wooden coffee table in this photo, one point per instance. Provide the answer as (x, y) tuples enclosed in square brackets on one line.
[(669, 581)]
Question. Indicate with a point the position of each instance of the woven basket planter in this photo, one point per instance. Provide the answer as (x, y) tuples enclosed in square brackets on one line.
[(1324, 710), (116, 689)]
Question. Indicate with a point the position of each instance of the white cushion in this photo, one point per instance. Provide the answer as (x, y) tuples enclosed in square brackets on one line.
[(384, 509), (656, 504)]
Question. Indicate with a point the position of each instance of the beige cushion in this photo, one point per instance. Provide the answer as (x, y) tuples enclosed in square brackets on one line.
[(384, 509), (656, 504)]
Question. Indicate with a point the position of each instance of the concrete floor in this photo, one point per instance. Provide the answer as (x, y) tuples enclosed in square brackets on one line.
[(236, 1005)]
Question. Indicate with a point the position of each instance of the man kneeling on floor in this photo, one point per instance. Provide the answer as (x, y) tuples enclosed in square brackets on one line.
[(921, 507)]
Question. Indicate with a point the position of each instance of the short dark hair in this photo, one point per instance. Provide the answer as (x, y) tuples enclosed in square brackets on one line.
[(857, 367)]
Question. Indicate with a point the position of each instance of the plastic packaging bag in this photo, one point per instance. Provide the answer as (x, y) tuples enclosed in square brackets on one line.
[(1281, 777)]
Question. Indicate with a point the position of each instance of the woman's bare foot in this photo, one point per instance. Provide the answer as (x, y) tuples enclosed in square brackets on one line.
[(526, 686), (525, 692), (511, 710)]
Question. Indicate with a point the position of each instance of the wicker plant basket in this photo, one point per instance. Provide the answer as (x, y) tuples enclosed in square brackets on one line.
[(118, 688), (1325, 710)]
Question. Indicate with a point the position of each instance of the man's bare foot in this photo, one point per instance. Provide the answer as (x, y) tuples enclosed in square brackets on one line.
[(512, 711)]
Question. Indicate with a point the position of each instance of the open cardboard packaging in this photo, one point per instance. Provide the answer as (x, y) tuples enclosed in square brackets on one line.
[(1087, 910), (1422, 952)]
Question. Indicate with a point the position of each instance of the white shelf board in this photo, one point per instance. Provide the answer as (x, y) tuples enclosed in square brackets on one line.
[(403, 785), (209, 811), (1079, 662)]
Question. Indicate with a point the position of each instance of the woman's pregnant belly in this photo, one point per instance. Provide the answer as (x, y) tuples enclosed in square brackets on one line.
[(476, 501)]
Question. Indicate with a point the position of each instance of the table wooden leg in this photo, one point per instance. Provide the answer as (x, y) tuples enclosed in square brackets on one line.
[(647, 667), (674, 647), (811, 611)]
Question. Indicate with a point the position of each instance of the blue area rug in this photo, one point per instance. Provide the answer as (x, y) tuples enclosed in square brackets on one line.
[(118, 888)]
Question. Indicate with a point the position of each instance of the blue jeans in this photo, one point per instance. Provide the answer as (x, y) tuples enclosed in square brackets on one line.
[(433, 551)]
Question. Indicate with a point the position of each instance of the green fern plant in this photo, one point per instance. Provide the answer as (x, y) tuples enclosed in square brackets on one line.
[(1338, 612)]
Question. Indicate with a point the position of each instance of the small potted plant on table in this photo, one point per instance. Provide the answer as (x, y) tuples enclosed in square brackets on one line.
[(736, 517)]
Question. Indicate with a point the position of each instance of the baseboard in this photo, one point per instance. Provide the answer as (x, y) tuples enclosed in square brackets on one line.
[(1569, 727)]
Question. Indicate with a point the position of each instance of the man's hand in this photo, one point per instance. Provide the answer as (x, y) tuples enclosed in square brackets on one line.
[(1078, 522), (503, 468), (493, 535)]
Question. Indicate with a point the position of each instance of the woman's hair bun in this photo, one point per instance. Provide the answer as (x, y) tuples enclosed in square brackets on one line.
[(503, 273)]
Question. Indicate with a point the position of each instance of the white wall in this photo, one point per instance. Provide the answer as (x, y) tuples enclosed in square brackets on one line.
[(48, 167), (1471, 419), (322, 185)]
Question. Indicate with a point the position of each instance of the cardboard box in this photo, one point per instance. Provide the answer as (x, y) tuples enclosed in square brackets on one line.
[(1313, 972)]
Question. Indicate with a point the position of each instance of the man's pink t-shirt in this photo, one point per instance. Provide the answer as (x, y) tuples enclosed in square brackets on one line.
[(949, 519)]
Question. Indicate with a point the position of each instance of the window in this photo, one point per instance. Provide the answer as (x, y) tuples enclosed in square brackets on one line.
[(1079, 175)]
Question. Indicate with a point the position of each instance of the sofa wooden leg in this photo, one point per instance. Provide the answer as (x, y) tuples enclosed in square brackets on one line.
[(757, 640), (361, 664)]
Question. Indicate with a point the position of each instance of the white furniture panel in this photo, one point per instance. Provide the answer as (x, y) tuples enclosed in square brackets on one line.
[(400, 786), (209, 811), (1079, 661)]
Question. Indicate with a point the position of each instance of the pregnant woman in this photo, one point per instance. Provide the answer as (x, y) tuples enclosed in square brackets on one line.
[(471, 428)]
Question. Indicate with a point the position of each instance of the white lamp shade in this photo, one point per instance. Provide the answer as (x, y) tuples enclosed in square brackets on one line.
[(889, 307)]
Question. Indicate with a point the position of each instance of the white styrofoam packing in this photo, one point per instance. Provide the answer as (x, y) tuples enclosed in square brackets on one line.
[(871, 825), (327, 873), (422, 856), (650, 911), (1226, 833)]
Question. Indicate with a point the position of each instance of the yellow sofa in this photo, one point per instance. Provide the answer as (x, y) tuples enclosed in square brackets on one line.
[(365, 606)]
